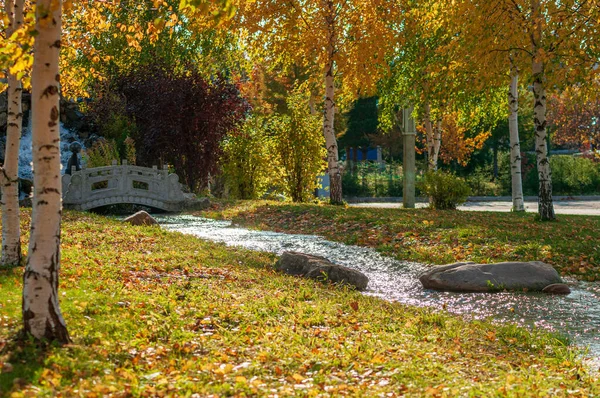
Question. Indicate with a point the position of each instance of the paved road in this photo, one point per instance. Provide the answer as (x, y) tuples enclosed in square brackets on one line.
[(581, 207)]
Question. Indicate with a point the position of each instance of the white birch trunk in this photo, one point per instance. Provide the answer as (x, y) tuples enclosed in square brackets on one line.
[(335, 174), (11, 229), (545, 205), (437, 143), (515, 146), (429, 137), (42, 318)]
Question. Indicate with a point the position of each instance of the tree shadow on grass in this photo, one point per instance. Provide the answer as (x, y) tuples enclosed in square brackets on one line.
[(22, 359)]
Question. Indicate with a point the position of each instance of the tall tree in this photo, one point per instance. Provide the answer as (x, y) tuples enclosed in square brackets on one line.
[(431, 73), (181, 118), (574, 118), (107, 39), (515, 145), (343, 41), (11, 230), (42, 318), (555, 43)]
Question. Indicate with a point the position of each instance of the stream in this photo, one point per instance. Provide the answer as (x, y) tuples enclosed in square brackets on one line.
[(576, 315)]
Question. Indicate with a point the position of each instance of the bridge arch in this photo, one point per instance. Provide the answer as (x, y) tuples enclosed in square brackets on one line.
[(122, 183)]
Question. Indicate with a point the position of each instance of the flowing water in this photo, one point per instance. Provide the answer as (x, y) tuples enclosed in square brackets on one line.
[(576, 315)]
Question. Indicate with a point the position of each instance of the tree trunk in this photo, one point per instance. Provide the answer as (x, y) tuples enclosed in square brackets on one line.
[(11, 229), (42, 318), (335, 175), (545, 205), (515, 146), (437, 143), (429, 137)]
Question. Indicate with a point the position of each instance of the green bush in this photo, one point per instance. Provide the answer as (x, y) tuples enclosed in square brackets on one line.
[(481, 184), (299, 146), (249, 161), (353, 187), (280, 153), (571, 175), (574, 175), (446, 190), (102, 153)]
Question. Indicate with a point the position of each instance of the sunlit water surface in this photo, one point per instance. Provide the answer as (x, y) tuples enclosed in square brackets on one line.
[(577, 315)]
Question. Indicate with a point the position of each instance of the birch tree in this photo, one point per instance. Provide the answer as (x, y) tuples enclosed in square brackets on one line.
[(545, 204), (553, 42), (492, 46), (344, 42), (11, 230), (431, 74), (42, 317), (515, 146)]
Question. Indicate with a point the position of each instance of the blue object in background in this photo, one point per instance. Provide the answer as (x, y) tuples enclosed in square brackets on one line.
[(371, 154)]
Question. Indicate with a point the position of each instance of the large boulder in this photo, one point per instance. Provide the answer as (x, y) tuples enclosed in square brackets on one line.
[(320, 268), (532, 276), (141, 218)]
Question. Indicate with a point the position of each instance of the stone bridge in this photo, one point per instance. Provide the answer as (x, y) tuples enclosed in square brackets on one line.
[(101, 186)]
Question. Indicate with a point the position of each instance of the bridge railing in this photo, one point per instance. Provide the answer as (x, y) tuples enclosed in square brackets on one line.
[(122, 183)]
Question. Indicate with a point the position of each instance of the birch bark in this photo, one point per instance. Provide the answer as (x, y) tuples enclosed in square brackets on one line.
[(11, 229), (335, 175), (42, 318), (515, 146), (429, 137), (545, 204)]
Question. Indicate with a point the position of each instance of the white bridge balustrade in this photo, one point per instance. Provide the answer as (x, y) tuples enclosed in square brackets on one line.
[(101, 186)]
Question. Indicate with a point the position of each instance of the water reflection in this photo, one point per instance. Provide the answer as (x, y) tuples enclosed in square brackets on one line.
[(577, 315)]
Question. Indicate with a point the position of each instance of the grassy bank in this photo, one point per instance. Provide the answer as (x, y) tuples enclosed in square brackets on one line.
[(156, 313), (436, 237)]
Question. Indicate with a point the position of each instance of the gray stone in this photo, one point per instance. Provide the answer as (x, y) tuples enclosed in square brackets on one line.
[(141, 218), (316, 267), (557, 288), (531, 276)]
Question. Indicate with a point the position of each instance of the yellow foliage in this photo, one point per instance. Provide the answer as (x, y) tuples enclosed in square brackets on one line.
[(455, 145)]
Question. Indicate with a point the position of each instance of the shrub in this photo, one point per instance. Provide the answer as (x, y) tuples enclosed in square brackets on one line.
[(278, 153), (481, 184), (129, 150), (180, 118), (299, 146), (574, 175), (102, 153), (248, 160), (109, 120), (570, 175), (446, 190)]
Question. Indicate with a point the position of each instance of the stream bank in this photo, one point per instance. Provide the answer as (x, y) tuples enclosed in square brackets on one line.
[(576, 316)]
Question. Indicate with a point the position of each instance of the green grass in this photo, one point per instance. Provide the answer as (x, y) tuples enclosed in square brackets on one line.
[(570, 244), (155, 313)]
